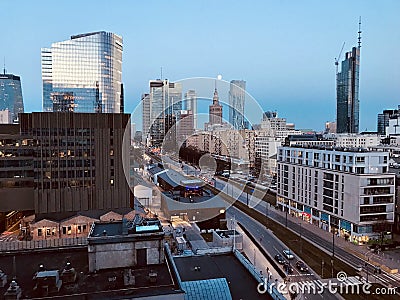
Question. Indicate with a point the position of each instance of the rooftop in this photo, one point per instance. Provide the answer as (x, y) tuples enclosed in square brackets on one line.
[(139, 225), (105, 284), (196, 268), (329, 148)]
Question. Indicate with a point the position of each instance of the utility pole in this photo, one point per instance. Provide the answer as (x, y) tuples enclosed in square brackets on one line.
[(333, 243)]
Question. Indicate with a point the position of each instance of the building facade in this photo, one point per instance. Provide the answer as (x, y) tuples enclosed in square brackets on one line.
[(237, 96), (215, 111), (347, 90), (162, 104), (349, 193), (84, 74), (384, 117), (78, 162), (11, 102), (191, 104)]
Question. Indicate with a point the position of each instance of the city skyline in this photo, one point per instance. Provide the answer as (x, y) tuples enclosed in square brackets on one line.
[(277, 44)]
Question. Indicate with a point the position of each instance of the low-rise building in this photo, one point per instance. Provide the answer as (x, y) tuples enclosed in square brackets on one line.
[(123, 244)]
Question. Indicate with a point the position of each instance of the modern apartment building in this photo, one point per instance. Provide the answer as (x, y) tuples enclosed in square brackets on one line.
[(348, 192), (357, 140), (84, 74)]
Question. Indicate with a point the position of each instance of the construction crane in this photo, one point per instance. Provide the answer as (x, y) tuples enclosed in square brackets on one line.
[(338, 59)]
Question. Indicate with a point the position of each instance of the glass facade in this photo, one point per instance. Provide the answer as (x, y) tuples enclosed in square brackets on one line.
[(86, 72), (165, 103), (347, 93), (237, 96), (11, 97)]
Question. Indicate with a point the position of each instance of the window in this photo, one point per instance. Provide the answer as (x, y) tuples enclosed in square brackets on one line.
[(64, 230), (39, 232), (69, 230)]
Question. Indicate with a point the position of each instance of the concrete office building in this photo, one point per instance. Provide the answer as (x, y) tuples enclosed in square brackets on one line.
[(84, 74), (64, 163), (344, 191)]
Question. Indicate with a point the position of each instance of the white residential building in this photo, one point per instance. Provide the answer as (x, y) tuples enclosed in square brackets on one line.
[(348, 193), (357, 140)]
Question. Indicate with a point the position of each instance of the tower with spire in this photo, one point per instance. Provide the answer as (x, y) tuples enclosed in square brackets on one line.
[(215, 110), (347, 90)]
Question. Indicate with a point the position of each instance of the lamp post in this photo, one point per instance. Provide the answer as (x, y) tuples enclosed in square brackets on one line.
[(286, 210), (301, 241), (333, 243)]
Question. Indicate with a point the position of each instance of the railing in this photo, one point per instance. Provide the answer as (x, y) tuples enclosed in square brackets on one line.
[(272, 291), (42, 244)]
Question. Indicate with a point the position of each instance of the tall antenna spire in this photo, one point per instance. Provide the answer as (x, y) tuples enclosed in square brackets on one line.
[(161, 73), (359, 33), (4, 65)]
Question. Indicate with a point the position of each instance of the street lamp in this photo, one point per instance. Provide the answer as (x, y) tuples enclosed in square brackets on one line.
[(301, 241)]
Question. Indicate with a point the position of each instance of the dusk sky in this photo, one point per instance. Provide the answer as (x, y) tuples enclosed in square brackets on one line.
[(285, 50)]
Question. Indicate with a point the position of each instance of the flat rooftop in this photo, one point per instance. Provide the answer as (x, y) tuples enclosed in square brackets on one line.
[(116, 228), (242, 284), (105, 284), (206, 201)]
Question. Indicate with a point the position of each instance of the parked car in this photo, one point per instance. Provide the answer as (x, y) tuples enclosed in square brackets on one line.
[(288, 254), (301, 266), (279, 258), (288, 268)]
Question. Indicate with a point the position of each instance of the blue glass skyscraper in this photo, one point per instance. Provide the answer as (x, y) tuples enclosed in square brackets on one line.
[(347, 88), (84, 74), (11, 102)]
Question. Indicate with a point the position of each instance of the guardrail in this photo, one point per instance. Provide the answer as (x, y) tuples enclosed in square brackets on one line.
[(42, 244)]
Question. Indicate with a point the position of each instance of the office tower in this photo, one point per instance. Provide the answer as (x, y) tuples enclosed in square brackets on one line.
[(191, 104), (11, 103), (345, 191), (87, 70), (185, 125), (160, 109), (347, 91), (145, 116), (77, 162), (215, 110), (237, 97), (384, 119)]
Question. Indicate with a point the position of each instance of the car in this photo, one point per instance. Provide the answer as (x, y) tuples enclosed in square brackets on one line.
[(288, 254), (279, 258), (288, 268), (301, 266)]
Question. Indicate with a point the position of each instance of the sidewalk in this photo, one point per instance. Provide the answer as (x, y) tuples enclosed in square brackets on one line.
[(361, 251)]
